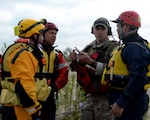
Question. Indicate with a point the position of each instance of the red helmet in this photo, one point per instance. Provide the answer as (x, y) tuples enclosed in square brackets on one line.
[(129, 17), (50, 25)]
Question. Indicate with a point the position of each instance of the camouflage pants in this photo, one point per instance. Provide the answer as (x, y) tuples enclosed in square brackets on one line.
[(96, 107)]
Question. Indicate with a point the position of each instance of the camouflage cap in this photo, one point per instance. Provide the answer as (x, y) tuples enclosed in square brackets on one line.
[(101, 21)]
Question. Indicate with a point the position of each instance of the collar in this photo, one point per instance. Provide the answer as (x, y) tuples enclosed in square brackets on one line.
[(97, 45), (133, 38), (47, 48)]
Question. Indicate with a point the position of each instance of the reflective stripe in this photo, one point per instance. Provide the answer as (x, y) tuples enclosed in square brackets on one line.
[(99, 68), (31, 110), (34, 109), (62, 65)]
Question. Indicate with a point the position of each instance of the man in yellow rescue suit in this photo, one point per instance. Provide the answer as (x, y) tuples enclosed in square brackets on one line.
[(19, 96), (127, 70)]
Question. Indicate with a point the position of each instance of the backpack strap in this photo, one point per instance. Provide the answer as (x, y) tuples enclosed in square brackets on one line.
[(8, 51), (144, 46), (17, 54)]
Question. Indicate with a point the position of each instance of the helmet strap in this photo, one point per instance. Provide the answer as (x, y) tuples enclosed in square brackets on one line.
[(45, 42), (35, 40), (129, 33), (29, 28)]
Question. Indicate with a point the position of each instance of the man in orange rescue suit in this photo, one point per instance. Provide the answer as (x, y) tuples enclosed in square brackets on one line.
[(127, 69), (57, 68), (89, 64), (20, 63)]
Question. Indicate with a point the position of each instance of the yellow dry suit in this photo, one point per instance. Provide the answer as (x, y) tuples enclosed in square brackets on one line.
[(116, 72), (8, 95)]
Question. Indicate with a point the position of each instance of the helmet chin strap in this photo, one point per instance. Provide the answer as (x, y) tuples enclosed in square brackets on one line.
[(37, 51), (46, 43), (123, 35), (35, 40)]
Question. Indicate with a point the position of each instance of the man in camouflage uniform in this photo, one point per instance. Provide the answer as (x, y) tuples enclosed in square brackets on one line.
[(94, 57)]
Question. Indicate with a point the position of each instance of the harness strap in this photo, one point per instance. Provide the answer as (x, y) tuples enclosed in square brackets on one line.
[(17, 54), (138, 44), (37, 75), (43, 75)]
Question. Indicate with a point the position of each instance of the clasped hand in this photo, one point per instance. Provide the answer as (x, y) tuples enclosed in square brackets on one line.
[(116, 110), (83, 57)]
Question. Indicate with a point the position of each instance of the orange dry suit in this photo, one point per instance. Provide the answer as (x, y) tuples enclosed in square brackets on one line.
[(18, 83)]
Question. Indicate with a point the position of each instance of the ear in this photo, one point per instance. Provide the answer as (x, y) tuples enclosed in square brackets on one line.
[(35, 35), (126, 27), (109, 31)]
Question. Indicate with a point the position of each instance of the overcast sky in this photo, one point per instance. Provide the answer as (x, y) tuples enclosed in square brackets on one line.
[(74, 18)]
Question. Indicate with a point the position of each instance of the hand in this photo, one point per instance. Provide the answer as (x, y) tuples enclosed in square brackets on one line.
[(116, 110), (73, 56), (34, 109), (37, 115), (85, 58)]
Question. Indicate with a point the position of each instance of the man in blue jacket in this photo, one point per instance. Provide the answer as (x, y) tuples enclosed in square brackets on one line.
[(127, 68)]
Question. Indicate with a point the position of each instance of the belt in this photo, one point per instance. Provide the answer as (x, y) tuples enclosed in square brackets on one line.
[(118, 81)]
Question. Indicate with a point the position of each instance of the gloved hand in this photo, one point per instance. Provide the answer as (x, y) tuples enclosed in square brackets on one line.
[(37, 115), (35, 110), (36, 119), (54, 87)]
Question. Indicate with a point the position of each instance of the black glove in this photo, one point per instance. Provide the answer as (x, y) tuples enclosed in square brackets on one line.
[(37, 115), (54, 87)]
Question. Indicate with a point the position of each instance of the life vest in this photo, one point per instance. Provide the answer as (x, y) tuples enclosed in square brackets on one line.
[(52, 59), (117, 73), (88, 80), (9, 50), (41, 86), (8, 95), (7, 82)]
